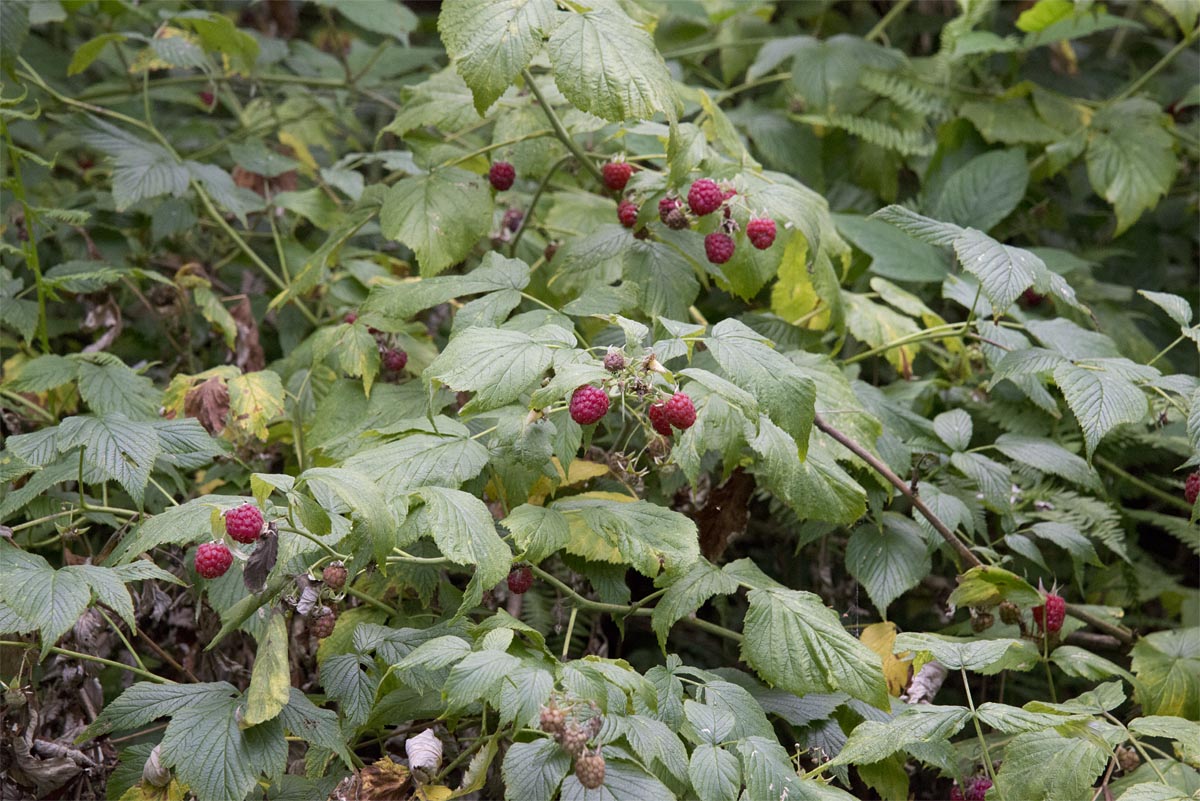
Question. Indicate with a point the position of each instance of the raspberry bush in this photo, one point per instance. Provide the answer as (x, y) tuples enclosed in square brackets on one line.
[(337, 462)]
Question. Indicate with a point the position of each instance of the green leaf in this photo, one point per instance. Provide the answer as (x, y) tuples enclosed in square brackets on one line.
[(356, 351), (606, 64), (1155, 791), (179, 525), (983, 191), (1044, 14), (815, 488), (825, 73), (1185, 12), (271, 679), (894, 254), (1100, 400), (477, 676), (538, 532), (888, 559), (43, 373), (1050, 766), (1047, 456), (141, 169), (988, 585), (499, 365), (1014, 720), (923, 229), (655, 743), (533, 771), (1004, 272), (1011, 121), (115, 447), (1167, 664), (440, 216), (147, 701), (1177, 308), (686, 593), (388, 305), (350, 680), (993, 479), (492, 42), (318, 726), (715, 773), (1075, 661), (623, 781), (982, 656), (90, 50), (108, 385), (381, 16), (464, 531), (421, 460), (954, 428), (639, 533), (795, 642), (747, 358), (52, 600), (1130, 158), (871, 741)]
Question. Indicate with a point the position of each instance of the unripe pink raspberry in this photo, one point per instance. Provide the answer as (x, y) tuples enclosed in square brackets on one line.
[(1191, 489), (502, 175), (704, 197), (394, 359), (244, 523), (658, 418), (718, 247), (681, 412), (761, 232), (588, 405), (213, 559), (616, 174), (627, 213)]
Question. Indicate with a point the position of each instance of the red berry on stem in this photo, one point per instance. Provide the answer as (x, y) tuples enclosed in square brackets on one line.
[(589, 769), (977, 789), (213, 559), (520, 579), (1050, 616), (704, 197), (658, 418), (323, 624), (244, 523), (334, 575), (502, 175), (666, 206), (588, 404), (350, 317), (718, 247), (1191, 489), (761, 232), (614, 360), (394, 360), (681, 412), (616, 174), (627, 213)]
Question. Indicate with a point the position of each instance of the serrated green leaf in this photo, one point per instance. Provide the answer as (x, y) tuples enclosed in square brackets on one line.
[(714, 773), (815, 488), (1167, 665), (983, 191), (795, 642), (464, 531), (349, 679), (993, 479), (1130, 158), (43, 373), (871, 741), (394, 304), (954, 428), (255, 400), (477, 676), (894, 254), (639, 533), (498, 365), (1177, 308), (1004, 272), (1050, 766), (686, 593), (115, 447), (533, 771), (987, 585), (271, 680), (888, 559), (421, 460), (108, 385), (1101, 400), (315, 725), (537, 531), (1014, 720), (1047, 456), (982, 656), (440, 216)]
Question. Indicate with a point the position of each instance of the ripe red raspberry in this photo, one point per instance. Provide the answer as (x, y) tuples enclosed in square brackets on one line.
[(1191, 489), (728, 193), (681, 411), (977, 789), (502, 175), (614, 361), (627, 213), (761, 232), (574, 739), (1031, 298), (520, 579), (588, 404), (718, 247), (322, 625), (704, 197), (658, 418), (616, 174), (213, 559), (394, 360), (244, 523), (350, 318), (666, 206), (956, 794), (334, 575), (208, 98), (589, 769), (1050, 616)]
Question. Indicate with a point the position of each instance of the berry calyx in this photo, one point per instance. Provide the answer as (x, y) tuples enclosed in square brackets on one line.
[(616, 174), (1191, 489), (761, 232), (627, 213), (666, 206), (614, 360), (213, 559), (520, 579), (574, 739), (681, 412), (589, 769), (502, 175), (334, 575), (394, 359), (1050, 615), (588, 405), (244, 523), (705, 197), (718, 247), (322, 625), (658, 418)]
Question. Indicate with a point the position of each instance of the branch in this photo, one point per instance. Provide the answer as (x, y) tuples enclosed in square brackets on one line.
[(559, 130)]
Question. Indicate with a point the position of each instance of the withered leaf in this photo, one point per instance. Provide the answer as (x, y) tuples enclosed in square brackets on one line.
[(209, 404), (266, 551), (249, 353)]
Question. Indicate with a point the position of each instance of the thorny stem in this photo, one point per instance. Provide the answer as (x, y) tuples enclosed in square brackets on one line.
[(559, 129), (987, 758)]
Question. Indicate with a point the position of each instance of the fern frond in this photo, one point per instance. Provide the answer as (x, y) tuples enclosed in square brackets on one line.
[(908, 143), (905, 93)]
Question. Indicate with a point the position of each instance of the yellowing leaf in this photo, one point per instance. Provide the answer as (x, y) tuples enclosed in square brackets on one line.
[(581, 471), (300, 151), (271, 681), (434, 793), (794, 296), (880, 637), (255, 399)]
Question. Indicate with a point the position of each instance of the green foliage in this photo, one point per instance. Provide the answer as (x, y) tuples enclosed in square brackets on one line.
[(961, 378)]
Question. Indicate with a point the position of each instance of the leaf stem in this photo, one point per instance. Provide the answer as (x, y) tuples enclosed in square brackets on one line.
[(371, 600), (316, 541), (987, 757), (887, 19), (533, 203), (30, 244), (1184, 44), (128, 646), (89, 658), (559, 129)]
